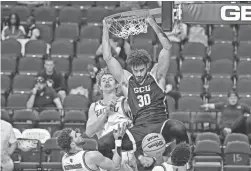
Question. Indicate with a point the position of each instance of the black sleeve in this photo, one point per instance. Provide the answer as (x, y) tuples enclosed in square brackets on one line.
[(61, 84)]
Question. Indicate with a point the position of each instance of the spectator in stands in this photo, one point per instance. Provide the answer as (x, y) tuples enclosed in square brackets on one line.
[(33, 31), (179, 32), (53, 78), (13, 29), (233, 117), (197, 34), (120, 48), (8, 146), (43, 97)]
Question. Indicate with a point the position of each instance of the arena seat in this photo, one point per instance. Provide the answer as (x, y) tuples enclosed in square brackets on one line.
[(83, 4), (91, 32), (205, 122), (207, 166), (80, 65), (218, 99), (56, 133), (23, 83), (29, 159), (28, 65), (50, 120), (23, 119), (8, 66), (246, 100), (220, 86), (143, 44), (62, 49), (75, 120), (243, 69), (221, 68), (188, 103), (192, 50), (8, 3), (59, 4), (222, 51), (93, 18), (75, 81), (87, 48), (208, 136), (190, 86), (244, 33), (17, 101), (5, 115), (45, 15), (10, 48), (52, 154), (107, 4), (236, 137), (5, 84), (67, 32), (244, 51), (62, 65), (237, 153), (119, 10), (207, 151), (74, 17), (184, 117), (45, 32), (223, 33), (244, 87), (22, 11), (76, 102), (191, 67), (35, 48)]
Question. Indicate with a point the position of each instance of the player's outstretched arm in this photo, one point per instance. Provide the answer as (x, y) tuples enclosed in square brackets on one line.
[(113, 65), (165, 53), (94, 123)]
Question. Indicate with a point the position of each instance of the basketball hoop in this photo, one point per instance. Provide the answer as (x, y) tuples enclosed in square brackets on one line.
[(128, 23)]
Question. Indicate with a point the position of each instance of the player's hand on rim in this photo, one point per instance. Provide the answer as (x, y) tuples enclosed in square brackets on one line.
[(107, 22), (120, 132)]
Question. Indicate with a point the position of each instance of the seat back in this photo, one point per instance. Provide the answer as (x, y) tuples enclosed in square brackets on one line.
[(208, 136), (52, 151), (237, 153), (50, 120), (236, 137)]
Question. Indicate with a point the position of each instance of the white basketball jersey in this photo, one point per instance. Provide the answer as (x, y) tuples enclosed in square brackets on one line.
[(75, 162), (116, 117)]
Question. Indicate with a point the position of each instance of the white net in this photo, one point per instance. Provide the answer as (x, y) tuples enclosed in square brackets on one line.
[(123, 27)]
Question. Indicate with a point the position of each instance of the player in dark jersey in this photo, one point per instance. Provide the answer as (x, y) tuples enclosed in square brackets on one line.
[(146, 98)]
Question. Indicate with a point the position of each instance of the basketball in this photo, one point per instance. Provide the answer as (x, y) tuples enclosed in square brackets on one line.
[(153, 144)]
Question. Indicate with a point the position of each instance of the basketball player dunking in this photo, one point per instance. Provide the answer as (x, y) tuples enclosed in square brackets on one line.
[(106, 114), (78, 159), (145, 92)]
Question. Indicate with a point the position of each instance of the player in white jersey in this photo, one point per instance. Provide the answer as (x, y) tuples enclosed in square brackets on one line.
[(8, 146), (178, 160), (106, 114), (77, 159)]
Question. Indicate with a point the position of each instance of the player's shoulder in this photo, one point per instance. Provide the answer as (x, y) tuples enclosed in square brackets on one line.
[(5, 124), (93, 156)]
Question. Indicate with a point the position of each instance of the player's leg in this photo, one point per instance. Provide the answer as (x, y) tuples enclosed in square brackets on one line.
[(174, 130)]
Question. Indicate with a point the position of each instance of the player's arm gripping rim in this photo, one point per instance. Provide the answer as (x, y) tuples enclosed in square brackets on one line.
[(113, 65), (165, 53)]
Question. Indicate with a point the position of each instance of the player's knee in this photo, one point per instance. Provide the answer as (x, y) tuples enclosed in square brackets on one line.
[(179, 132)]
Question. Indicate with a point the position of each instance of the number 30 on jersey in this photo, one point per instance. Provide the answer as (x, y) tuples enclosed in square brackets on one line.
[(144, 100)]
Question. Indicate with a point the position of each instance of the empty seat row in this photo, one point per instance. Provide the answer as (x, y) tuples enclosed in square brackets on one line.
[(25, 83)]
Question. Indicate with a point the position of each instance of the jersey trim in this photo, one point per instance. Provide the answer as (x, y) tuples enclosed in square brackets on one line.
[(162, 165), (85, 162)]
